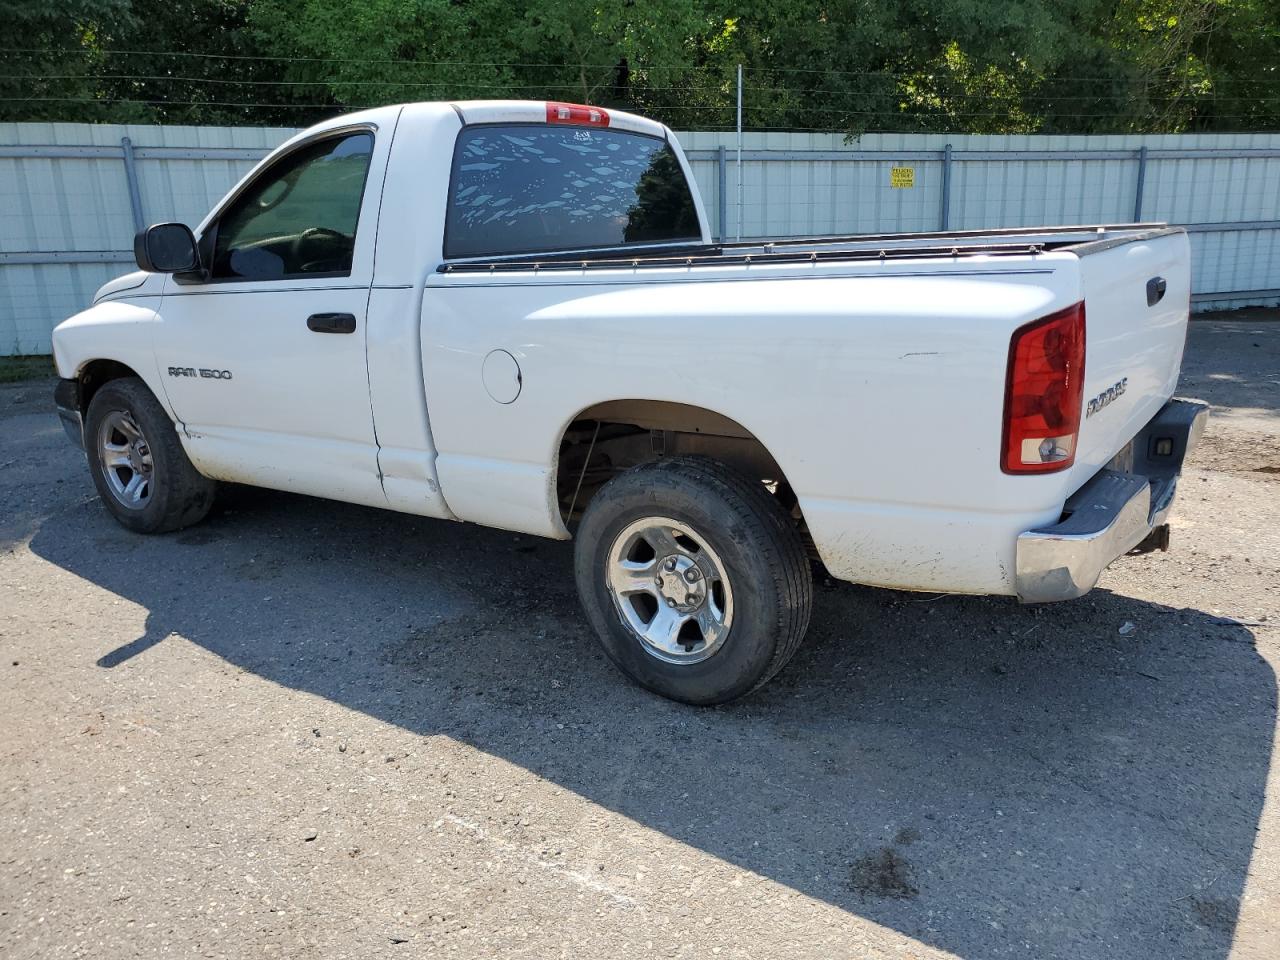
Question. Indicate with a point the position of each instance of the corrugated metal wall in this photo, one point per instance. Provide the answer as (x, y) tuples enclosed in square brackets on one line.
[(67, 219), (1224, 187)]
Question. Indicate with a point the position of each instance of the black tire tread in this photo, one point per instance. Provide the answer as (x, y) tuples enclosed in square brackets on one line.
[(777, 535), (793, 567), (190, 494)]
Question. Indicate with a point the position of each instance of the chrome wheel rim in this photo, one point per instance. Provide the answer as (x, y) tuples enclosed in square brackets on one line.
[(670, 590), (125, 459)]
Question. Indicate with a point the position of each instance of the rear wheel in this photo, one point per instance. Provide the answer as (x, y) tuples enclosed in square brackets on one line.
[(138, 464), (694, 578)]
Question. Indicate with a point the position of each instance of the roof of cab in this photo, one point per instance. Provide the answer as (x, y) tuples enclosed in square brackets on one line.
[(536, 111)]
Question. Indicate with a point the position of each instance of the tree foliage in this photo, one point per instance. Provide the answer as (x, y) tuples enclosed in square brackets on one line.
[(988, 66)]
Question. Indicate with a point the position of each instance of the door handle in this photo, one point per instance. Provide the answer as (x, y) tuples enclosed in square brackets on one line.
[(332, 322), (1156, 287)]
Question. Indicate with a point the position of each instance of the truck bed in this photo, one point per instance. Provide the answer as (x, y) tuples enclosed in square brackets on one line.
[(862, 364), (1017, 241)]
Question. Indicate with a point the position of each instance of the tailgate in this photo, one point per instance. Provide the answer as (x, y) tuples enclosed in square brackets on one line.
[(1136, 296)]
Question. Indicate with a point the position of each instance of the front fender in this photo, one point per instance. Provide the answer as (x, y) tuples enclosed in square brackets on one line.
[(117, 330)]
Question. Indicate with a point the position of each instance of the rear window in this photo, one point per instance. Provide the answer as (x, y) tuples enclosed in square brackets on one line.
[(524, 188)]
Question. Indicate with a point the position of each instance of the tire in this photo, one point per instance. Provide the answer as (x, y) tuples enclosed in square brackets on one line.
[(152, 486), (688, 540)]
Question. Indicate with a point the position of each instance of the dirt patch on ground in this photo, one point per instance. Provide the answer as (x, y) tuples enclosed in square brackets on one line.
[(885, 874), (1239, 452), (1215, 913), (26, 396)]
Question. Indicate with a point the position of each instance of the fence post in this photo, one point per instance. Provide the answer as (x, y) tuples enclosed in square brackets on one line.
[(722, 186), (738, 218), (946, 187), (131, 175), (1142, 181)]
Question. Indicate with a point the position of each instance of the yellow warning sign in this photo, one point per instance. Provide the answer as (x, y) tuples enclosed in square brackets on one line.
[(902, 178)]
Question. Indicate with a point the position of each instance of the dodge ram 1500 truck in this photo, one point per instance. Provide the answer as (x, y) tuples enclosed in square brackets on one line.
[(513, 313)]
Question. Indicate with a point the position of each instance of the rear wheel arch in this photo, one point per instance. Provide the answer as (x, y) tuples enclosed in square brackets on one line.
[(611, 436)]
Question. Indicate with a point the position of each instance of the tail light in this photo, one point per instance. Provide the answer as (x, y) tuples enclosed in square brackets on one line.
[(576, 113), (1044, 391)]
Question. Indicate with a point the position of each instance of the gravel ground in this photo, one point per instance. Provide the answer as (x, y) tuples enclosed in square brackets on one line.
[(309, 729)]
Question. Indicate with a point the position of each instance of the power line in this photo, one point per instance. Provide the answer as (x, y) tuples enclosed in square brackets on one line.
[(345, 107), (1012, 97), (641, 67), (450, 84), (640, 90), (80, 51), (257, 104), (641, 93)]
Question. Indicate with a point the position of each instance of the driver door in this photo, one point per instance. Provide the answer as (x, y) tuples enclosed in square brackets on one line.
[(264, 361)]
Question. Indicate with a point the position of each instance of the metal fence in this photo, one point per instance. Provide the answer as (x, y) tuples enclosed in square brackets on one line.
[(72, 196), (1225, 188)]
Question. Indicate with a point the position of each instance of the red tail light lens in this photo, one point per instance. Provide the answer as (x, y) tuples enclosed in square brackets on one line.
[(576, 113), (1044, 391)]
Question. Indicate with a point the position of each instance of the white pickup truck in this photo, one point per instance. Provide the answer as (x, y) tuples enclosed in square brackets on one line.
[(513, 313)]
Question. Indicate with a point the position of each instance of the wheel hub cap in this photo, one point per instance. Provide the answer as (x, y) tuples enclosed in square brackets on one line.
[(139, 461), (680, 583), (670, 589), (125, 459)]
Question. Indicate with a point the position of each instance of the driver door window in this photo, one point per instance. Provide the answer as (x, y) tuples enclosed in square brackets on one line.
[(299, 219)]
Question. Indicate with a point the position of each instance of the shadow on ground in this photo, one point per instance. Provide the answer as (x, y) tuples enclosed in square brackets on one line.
[(1234, 363), (986, 778)]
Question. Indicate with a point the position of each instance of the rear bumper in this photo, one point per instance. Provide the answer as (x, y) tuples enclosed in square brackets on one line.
[(1125, 505), (66, 397)]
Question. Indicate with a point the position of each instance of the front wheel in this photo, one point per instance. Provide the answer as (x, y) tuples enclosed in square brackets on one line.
[(138, 464), (695, 579)]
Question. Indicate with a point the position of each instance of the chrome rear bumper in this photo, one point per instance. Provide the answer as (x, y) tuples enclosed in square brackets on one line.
[(1125, 505)]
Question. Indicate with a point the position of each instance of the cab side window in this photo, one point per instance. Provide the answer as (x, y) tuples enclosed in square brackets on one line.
[(299, 218)]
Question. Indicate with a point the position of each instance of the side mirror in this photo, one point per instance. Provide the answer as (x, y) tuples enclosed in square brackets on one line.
[(166, 248)]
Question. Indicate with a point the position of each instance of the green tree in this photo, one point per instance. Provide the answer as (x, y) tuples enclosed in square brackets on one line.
[(388, 51), (54, 71), (986, 66), (1202, 64), (183, 61)]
